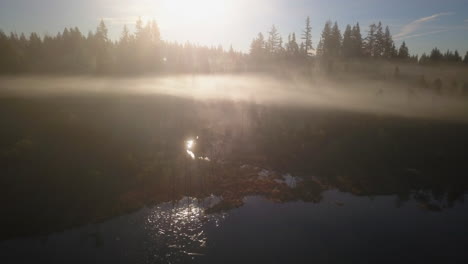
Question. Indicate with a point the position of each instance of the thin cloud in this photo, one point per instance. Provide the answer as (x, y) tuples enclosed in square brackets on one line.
[(424, 34), (434, 32), (411, 28)]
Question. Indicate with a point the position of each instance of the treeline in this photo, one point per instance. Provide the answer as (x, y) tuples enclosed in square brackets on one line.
[(377, 44), (143, 51)]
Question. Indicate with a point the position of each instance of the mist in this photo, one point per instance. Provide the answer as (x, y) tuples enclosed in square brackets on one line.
[(351, 94)]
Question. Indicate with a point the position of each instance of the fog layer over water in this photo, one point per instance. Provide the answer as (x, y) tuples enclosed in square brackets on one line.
[(373, 96)]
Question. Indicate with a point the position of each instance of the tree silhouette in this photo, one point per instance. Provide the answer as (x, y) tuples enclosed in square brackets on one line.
[(325, 45), (357, 41), (144, 51), (388, 45), (348, 49), (292, 48), (257, 48), (335, 42), (274, 40), (379, 45), (307, 37), (403, 52), (370, 41), (436, 55)]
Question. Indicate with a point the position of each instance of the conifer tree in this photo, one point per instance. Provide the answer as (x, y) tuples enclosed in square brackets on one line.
[(370, 41), (307, 37), (357, 41), (347, 50), (326, 40), (335, 43), (379, 46), (388, 47), (273, 41), (403, 52)]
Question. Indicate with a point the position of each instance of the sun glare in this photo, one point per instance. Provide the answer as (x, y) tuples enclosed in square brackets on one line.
[(200, 11)]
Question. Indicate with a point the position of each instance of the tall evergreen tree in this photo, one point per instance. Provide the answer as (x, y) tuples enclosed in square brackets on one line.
[(257, 48), (307, 37), (389, 46), (292, 48), (403, 52), (379, 46), (465, 60), (335, 43), (320, 52), (273, 41), (102, 48), (357, 41), (326, 40), (348, 50), (370, 41), (456, 56), (436, 55)]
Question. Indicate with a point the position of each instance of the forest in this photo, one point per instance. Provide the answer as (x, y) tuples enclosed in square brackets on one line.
[(145, 51)]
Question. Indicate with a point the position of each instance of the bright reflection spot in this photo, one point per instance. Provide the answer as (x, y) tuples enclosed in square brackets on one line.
[(190, 144), (178, 228), (204, 158), (191, 154)]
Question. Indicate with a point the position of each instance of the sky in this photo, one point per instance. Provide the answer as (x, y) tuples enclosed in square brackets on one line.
[(422, 24)]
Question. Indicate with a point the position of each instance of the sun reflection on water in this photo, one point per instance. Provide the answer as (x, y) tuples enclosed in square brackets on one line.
[(189, 147), (178, 229)]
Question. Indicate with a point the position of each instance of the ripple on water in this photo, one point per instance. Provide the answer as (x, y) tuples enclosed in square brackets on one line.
[(177, 229)]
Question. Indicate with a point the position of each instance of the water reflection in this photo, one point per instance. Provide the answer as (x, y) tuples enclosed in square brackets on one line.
[(189, 147), (177, 229)]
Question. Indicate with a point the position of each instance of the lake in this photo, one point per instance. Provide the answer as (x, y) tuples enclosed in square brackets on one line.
[(119, 177)]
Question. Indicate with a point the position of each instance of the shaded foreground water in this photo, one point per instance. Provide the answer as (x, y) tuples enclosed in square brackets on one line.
[(161, 179), (341, 228)]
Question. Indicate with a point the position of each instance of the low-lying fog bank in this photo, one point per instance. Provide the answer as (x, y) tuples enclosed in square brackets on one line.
[(371, 96)]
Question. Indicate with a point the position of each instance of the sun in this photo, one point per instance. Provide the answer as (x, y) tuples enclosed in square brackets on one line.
[(196, 11)]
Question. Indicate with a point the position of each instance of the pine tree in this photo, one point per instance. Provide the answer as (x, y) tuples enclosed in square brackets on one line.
[(139, 29), (335, 44), (347, 50), (403, 52), (465, 60), (273, 40), (101, 32), (379, 46), (257, 48), (155, 34), (320, 48), (307, 37), (326, 40), (456, 56), (294, 45), (292, 48), (370, 42), (125, 36), (389, 46), (436, 55), (102, 48), (357, 41)]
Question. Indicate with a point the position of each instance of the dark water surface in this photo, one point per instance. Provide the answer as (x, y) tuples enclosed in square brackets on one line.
[(342, 228), (160, 179)]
